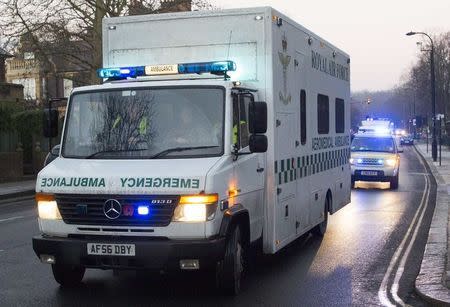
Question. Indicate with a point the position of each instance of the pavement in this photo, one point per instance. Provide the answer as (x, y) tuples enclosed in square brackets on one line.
[(17, 189), (433, 281)]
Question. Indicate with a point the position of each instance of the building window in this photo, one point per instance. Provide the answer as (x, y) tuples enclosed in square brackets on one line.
[(303, 117), (68, 86), (28, 55), (323, 114), (340, 115), (29, 87)]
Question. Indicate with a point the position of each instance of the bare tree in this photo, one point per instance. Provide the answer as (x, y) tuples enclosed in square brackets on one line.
[(418, 82), (72, 29)]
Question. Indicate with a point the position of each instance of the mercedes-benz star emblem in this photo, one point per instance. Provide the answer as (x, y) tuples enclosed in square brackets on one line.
[(112, 209)]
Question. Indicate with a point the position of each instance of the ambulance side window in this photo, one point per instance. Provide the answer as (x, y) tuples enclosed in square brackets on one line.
[(303, 117), (340, 115), (323, 114), (240, 118)]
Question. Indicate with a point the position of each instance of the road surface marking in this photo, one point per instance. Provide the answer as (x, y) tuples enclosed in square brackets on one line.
[(417, 174), (12, 219), (401, 266), (382, 292)]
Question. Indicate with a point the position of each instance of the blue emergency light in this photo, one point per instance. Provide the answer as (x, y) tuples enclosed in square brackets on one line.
[(216, 68), (207, 67), (143, 210), (122, 72)]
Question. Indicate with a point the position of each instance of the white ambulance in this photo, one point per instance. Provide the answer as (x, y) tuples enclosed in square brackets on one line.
[(212, 132)]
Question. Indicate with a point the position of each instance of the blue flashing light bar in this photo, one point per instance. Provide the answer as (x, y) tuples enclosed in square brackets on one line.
[(216, 68), (121, 72), (207, 67)]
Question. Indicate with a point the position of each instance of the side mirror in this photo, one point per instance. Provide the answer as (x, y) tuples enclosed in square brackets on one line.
[(55, 150), (257, 117), (52, 155), (50, 123), (258, 143)]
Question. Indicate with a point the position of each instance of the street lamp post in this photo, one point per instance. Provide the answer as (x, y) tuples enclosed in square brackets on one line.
[(433, 96)]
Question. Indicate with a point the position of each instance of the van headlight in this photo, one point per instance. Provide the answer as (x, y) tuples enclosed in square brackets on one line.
[(196, 208), (391, 162), (47, 207), (352, 161)]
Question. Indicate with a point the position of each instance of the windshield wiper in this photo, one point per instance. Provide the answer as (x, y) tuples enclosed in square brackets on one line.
[(113, 151), (175, 149)]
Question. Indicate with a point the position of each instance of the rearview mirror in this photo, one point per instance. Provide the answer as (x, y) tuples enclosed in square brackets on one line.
[(257, 117), (50, 123), (258, 143)]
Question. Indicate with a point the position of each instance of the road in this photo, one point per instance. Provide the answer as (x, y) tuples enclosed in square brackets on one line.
[(367, 257)]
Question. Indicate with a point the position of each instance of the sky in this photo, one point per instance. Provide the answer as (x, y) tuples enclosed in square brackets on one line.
[(371, 31)]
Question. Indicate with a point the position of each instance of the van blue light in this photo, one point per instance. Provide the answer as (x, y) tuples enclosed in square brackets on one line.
[(121, 72), (215, 68), (207, 67)]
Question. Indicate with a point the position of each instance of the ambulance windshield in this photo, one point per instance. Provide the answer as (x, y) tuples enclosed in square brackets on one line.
[(376, 144), (145, 123)]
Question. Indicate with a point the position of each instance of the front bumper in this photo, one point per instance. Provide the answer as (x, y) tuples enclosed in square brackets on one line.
[(151, 253), (382, 174)]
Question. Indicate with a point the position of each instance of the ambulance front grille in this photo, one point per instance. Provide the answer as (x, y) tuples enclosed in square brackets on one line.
[(88, 209)]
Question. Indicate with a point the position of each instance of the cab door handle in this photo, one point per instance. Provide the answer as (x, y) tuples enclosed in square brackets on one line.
[(260, 169)]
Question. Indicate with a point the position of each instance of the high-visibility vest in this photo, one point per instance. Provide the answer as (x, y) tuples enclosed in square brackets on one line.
[(142, 124), (235, 132)]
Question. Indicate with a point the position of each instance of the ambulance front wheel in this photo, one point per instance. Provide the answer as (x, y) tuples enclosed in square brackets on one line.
[(67, 275), (229, 270)]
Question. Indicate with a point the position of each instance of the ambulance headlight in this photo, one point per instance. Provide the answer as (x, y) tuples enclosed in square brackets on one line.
[(47, 207), (196, 208), (390, 162)]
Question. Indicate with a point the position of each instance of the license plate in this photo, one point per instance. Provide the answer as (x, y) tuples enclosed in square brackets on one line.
[(369, 173), (111, 249)]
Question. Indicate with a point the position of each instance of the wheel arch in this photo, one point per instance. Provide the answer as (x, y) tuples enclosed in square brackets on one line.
[(236, 215)]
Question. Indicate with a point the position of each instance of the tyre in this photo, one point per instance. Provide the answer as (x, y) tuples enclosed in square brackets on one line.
[(229, 270), (394, 182), (322, 227), (68, 276)]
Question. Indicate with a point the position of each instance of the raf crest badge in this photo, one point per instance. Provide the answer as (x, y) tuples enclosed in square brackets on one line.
[(285, 60)]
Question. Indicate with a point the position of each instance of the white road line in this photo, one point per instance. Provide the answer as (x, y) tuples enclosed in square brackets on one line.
[(382, 292), (12, 219), (401, 266)]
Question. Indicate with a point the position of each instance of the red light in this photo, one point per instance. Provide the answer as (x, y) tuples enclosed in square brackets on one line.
[(128, 210)]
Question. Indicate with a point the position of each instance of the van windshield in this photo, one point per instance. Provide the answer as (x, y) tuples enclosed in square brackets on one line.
[(377, 144), (145, 123)]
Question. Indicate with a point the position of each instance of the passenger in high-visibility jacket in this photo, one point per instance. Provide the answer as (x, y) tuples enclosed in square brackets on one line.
[(235, 131), (137, 139)]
